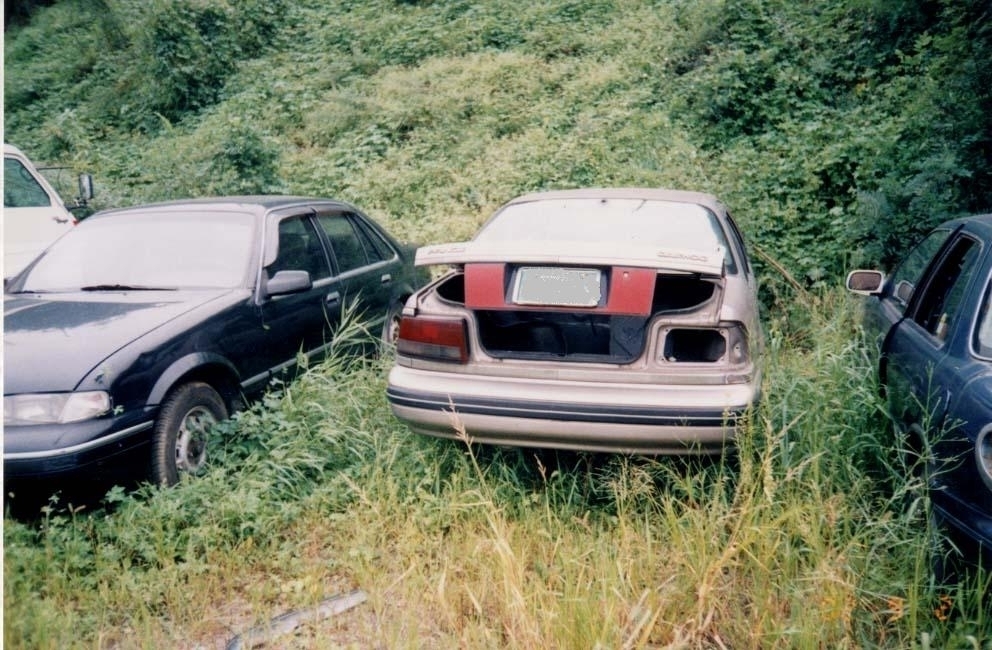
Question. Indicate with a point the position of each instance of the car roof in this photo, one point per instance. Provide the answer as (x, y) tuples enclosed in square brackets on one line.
[(977, 223), (254, 204), (649, 193)]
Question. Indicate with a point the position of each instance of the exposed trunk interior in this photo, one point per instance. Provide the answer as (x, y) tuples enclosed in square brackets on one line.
[(596, 337), (680, 293), (571, 336)]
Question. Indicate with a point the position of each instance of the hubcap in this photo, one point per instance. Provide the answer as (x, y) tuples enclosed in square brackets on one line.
[(191, 440)]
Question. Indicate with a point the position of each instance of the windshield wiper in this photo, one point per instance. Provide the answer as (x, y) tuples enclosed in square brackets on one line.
[(124, 287)]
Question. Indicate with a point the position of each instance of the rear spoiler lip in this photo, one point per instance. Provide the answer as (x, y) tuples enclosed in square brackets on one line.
[(566, 253)]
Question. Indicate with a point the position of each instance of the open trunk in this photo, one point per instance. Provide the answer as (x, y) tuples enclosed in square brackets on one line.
[(597, 335)]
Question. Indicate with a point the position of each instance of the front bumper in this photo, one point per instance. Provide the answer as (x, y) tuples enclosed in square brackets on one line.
[(559, 414), (47, 451)]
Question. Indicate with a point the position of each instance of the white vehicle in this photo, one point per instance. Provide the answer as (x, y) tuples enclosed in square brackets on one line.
[(33, 213)]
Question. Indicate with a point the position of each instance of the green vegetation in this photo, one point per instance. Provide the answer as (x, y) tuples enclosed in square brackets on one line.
[(835, 133), (792, 543)]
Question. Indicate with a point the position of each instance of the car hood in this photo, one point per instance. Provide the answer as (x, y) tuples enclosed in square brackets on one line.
[(51, 342)]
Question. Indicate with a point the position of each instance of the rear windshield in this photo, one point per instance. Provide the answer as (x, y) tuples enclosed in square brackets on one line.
[(666, 224), (161, 250)]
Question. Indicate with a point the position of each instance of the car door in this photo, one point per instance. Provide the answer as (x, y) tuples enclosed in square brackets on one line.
[(968, 383), (300, 322), (33, 215), (367, 267), (923, 352), (890, 306)]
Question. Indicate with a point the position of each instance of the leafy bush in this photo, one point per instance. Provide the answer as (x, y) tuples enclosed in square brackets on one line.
[(837, 133), (244, 164)]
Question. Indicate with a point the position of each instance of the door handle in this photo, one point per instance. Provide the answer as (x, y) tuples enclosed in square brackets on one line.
[(386, 278), (333, 298)]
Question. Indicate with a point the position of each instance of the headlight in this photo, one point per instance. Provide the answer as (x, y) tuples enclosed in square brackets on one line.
[(983, 455), (54, 408)]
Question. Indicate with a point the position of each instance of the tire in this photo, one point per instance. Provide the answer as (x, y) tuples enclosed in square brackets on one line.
[(180, 435), (391, 327)]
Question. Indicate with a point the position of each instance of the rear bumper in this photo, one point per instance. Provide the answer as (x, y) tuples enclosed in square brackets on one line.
[(587, 416)]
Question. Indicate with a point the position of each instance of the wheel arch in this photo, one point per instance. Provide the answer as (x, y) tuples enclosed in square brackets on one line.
[(211, 369), (403, 293)]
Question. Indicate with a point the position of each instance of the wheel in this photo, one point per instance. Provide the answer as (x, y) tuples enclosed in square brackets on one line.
[(391, 328), (180, 434)]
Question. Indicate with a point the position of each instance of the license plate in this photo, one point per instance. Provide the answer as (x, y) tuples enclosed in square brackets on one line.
[(557, 287)]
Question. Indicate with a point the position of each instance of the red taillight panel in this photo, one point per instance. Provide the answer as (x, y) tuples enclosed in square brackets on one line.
[(631, 291), (438, 339), (484, 286)]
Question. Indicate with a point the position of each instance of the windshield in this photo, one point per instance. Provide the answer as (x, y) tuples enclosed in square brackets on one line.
[(667, 224), (154, 251)]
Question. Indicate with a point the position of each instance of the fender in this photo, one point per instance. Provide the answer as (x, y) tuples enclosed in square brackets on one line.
[(182, 367)]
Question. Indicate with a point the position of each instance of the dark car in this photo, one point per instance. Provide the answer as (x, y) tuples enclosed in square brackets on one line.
[(934, 325), (142, 325), (599, 319)]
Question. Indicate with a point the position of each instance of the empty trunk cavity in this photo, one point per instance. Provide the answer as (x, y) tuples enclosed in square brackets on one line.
[(562, 336), (452, 289), (680, 292), (695, 345)]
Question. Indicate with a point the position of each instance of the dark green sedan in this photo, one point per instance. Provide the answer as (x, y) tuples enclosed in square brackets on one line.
[(142, 326)]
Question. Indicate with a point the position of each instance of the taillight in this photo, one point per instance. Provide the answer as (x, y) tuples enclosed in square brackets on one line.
[(726, 345), (439, 339)]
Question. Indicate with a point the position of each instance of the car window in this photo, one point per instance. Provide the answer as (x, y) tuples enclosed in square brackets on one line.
[(983, 332), (666, 224), (376, 247), (908, 274), (160, 250), (300, 249), (348, 248), (20, 189), (940, 305), (735, 233)]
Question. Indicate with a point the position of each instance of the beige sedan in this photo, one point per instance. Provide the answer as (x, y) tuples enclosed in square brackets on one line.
[(619, 320)]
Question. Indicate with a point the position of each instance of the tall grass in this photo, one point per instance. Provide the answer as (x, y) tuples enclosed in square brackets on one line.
[(429, 114), (802, 539)]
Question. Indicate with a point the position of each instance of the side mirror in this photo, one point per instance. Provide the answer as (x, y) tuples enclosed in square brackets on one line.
[(80, 208), (904, 291), (865, 283), (286, 282), (85, 188)]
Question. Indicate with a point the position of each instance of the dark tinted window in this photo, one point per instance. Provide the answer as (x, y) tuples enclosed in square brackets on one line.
[(348, 248), (300, 249), (907, 275), (940, 306), (376, 247)]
